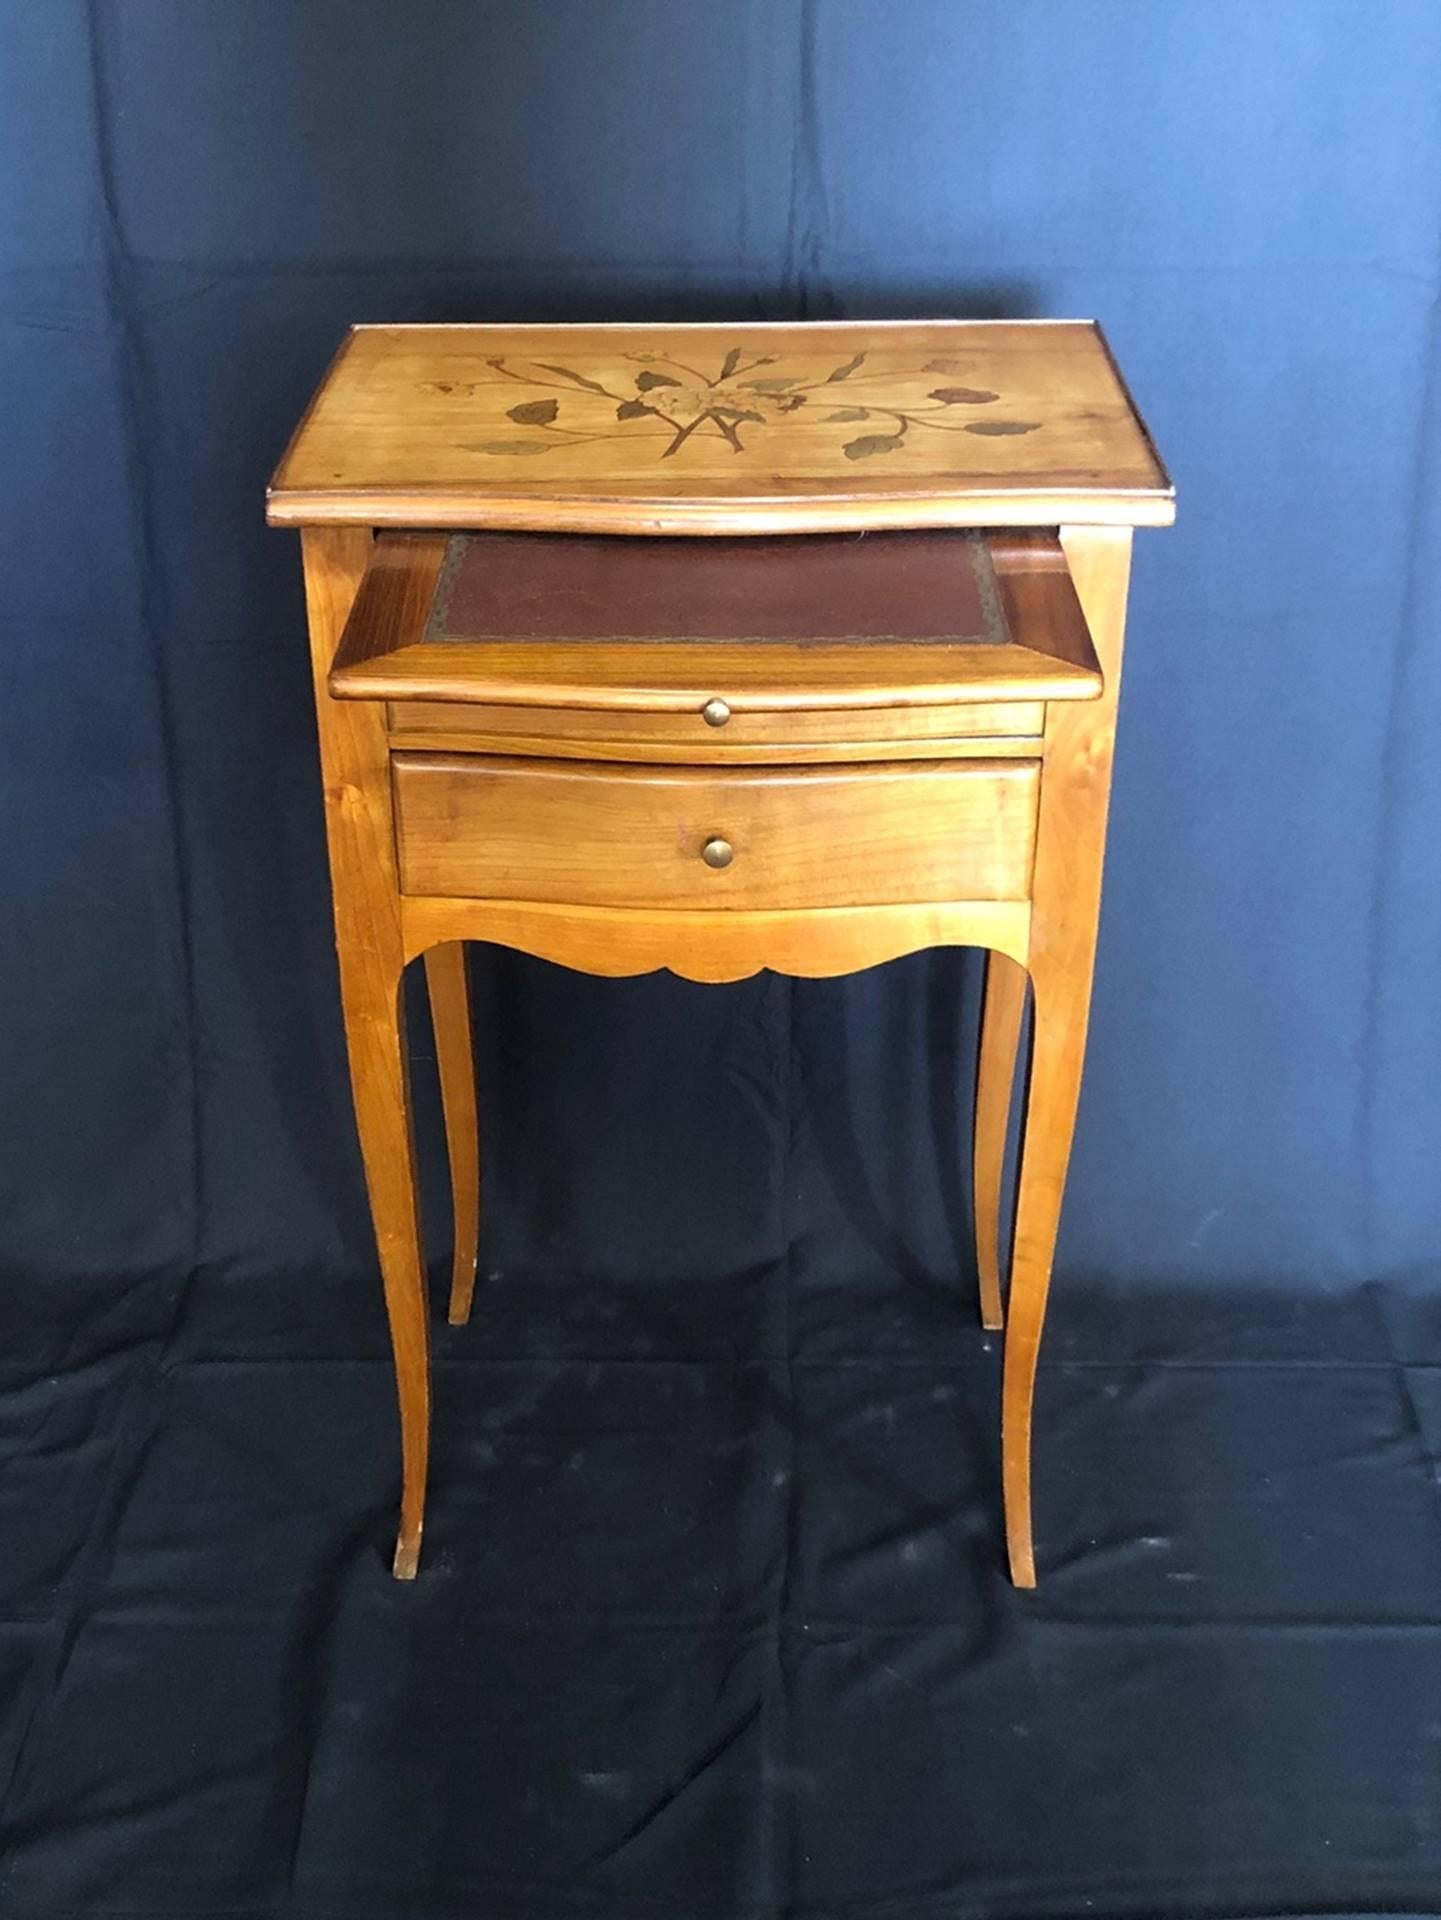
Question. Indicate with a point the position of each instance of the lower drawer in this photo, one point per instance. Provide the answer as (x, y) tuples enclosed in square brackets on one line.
[(595, 835)]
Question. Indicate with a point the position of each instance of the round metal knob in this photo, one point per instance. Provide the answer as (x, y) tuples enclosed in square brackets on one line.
[(715, 713), (717, 852)]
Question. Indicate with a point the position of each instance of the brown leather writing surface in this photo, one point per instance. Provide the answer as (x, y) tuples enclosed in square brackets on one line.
[(822, 590)]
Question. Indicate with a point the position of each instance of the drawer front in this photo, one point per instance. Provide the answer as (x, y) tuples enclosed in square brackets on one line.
[(595, 835), (714, 735)]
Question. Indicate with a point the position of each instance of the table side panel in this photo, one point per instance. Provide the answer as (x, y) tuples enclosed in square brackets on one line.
[(814, 943)]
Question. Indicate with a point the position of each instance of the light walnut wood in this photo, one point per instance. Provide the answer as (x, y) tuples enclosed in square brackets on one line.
[(1001, 1011), (980, 729), (594, 835), (354, 762), (657, 678), (384, 655), (1066, 903), (723, 428), (556, 797), (811, 943), (449, 988)]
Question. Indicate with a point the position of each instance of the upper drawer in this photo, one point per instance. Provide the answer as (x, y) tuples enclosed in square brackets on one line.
[(715, 735), (591, 835)]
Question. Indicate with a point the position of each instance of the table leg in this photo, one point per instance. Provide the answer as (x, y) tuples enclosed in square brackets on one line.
[(1065, 910), (380, 1081), (1062, 995), (354, 757), (1001, 1011), (449, 988)]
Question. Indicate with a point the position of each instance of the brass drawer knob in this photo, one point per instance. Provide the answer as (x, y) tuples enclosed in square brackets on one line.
[(717, 852), (715, 713)]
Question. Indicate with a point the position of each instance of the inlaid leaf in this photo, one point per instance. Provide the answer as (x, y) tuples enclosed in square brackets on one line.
[(738, 413), (533, 413), (510, 446), (963, 396), (730, 363), (870, 443), (939, 366), (845, 372), (850, 413), (632, 410), (773, 383), (569, 373), (645, 381), (996, 428)]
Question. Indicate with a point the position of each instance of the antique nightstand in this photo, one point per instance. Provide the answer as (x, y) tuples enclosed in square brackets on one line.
[(582, 691)]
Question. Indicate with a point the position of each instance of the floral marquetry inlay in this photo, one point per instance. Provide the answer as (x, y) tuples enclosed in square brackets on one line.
[(668, 399), (736, 427)]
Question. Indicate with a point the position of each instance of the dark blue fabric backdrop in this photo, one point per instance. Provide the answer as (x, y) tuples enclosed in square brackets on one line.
[(197, 200)]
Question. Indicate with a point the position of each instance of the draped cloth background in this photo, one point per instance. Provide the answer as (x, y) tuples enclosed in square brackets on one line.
[(712, 1618)]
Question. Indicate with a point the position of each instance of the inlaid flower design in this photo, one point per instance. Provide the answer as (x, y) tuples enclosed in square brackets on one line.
[(671, 400)]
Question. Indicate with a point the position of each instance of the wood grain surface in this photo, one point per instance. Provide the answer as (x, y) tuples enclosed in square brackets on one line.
[(811, 943), (975, 730), (383, 654), (1065, 914), (715, 808), (368, 939), (449, 987), (1001, 1014), (754, 427), (514, 829)]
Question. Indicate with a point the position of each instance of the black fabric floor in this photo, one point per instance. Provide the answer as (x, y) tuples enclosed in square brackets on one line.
[(712, 1618)]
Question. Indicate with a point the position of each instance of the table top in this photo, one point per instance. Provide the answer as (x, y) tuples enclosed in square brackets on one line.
[(735, 428)]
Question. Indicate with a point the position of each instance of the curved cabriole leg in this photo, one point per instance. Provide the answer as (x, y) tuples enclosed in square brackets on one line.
[(360, 828), (1065, 909), (375, 1031), (1001, 1011), (449, 990), (1057, 1050)]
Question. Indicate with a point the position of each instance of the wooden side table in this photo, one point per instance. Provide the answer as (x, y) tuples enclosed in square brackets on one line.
[(720, 753)]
